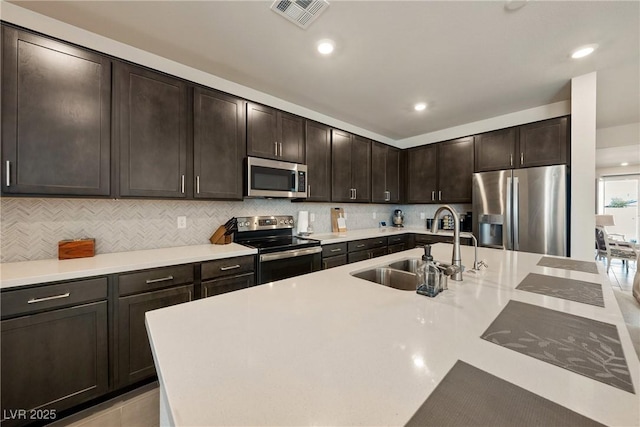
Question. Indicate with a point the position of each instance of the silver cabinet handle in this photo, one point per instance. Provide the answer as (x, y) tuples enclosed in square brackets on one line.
[(8, 170), (522, 158), (511, 159), (280, 144), (198, 184), (336, 250), (275, 144), (360, 246), (35, 300), (309, 190), (439, 195), (182, 184), (162, 279), (355, 193), (433, 195), (351, 193), (231, 267)]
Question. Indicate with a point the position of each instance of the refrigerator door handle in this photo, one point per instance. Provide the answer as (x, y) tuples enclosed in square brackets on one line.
[(516, 213), (508, 236)]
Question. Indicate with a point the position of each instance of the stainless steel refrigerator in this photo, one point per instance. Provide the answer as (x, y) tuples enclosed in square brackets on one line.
[(522, 209)]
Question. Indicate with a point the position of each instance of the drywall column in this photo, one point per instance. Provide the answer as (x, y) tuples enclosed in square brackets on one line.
[(583, 166)]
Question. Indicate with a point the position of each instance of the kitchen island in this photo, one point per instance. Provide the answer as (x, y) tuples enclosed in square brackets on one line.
[(328, 348)]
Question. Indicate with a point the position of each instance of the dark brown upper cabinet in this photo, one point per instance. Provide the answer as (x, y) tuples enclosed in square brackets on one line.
[(350, 167), (218, 145), (151, 127), (440, 173), (274, 134), (544, 143), (56, 102), (318, 160), (385, 173), (495, 150), (422, 174), (536, 144), (455, 170)]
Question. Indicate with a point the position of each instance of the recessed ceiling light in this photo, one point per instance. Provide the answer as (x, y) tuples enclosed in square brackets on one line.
[(583, 51), (624, 164), (420, 106), (325, 47)]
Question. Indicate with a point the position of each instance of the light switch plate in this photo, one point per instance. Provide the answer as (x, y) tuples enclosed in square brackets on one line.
[(182, 222), (422, 215)]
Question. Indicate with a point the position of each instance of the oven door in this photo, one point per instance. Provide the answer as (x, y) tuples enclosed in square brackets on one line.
[(294, 262), (271, 178)]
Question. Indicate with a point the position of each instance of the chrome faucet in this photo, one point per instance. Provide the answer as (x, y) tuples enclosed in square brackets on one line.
[(456, 259)]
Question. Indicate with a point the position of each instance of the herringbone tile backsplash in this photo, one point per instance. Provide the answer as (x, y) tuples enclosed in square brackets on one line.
[(31, 228)]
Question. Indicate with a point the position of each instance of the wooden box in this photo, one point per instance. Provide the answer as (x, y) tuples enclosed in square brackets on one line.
[(78, 248)]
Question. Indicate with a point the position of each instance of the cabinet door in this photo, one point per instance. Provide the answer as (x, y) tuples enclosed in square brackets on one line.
[(358, 256), (152, 128), (393, 175), (262, 128), (134, 352), (361, 168), (398, 247), (495, 150), (455, 170), (341, 188), (318, 159), (291, 138), (218, 145), (544, 143), (378, 172), (334, 261), (421, 174), (56, 102), (55, 360), (227, 284)]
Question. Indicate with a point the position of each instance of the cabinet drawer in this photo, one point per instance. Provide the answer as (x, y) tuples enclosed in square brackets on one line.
[(47, 297), (359, 245), (227, 284), (393, 240), (157, 278), (334, 249), (227, 266)]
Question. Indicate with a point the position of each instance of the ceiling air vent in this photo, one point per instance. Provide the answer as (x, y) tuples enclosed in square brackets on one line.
[(300, 12)]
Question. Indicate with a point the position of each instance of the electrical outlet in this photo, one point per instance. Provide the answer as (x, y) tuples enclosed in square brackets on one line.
[(422, 215), (312, 217), (374, 215), (182, 222)]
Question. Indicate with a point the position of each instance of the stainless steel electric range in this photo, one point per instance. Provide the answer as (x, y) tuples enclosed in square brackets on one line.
[(280, 254)]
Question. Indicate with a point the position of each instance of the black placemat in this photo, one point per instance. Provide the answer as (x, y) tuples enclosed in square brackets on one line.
[(585, 346), (569, 264), (560, 287), (468, 396)]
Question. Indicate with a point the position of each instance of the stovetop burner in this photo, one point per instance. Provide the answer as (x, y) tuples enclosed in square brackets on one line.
[(270, 234)]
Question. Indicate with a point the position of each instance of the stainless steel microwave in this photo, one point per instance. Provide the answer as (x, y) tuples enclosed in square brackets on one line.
[(272, 178)]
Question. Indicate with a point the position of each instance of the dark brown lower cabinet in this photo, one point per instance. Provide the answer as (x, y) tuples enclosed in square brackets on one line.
[(398, 247), (334, 261), (227, 284), (135, 360), (53, 361)]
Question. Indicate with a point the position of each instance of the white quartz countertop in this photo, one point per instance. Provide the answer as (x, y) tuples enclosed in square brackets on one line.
[(330, 349), (349, 235), (49, 270)]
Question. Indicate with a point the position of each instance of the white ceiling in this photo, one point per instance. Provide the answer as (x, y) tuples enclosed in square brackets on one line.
[(469, 60)]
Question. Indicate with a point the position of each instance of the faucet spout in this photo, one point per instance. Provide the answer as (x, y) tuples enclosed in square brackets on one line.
[(456, 258)]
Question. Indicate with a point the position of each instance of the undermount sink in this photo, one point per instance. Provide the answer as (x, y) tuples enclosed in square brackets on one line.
[(397, 279), (409, 264)]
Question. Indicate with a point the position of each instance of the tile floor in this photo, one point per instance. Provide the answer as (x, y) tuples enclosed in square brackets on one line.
[(140, 408)]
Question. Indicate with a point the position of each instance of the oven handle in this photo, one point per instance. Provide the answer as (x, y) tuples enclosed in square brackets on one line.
[(290, 254)]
